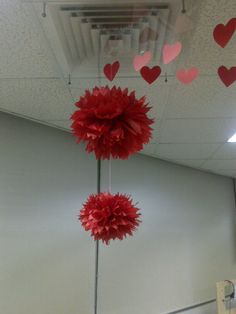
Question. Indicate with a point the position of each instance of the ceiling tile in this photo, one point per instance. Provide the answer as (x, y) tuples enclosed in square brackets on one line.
[(226, 151), (197, 130), (225, 172), (197, 101), (41, 99), (155, 132), (202, 51), (227, 164), (194, 163), (79, 85), (24, 51), (186, 151), (63, 124), (149, 149)]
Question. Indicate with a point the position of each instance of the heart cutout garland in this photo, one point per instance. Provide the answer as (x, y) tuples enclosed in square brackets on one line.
[(150, 74), (188, 75), (110, 70), (185, 76), (227, 76), (223, 33), (170, 52), (140, 61)]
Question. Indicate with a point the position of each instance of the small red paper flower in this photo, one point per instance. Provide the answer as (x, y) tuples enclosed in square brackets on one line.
[(109, 216), (112, 122)]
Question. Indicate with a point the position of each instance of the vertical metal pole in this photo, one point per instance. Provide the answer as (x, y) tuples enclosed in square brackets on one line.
[(98, 191), (96, 278), (97, 243)]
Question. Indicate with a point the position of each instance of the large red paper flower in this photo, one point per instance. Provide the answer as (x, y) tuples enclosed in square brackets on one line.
[(109, 216), (112, 122)]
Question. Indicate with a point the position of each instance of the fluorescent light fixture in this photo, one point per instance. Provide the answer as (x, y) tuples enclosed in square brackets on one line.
[(232, 139)]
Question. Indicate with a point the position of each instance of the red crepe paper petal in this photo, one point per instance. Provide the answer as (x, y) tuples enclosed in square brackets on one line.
[(223, 33), (150, 74), (112, 122), (110, 70), (227, 76), (109, 217)]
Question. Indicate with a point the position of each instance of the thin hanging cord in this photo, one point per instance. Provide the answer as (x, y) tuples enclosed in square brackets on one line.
[(99, 61), (44, 14), (99, 176), (109, 174), (98, 191), (183, 7)]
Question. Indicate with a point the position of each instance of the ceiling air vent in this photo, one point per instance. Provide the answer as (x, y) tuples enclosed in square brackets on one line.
[(80, 34)]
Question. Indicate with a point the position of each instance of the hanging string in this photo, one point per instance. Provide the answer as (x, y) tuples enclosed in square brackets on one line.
[(69, 79), (183, 7), (166, 78), (44, 14), (109, 176)]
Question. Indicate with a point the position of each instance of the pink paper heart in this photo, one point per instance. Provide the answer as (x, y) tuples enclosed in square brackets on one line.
[(142, 60), (187, 76), (170, 52)]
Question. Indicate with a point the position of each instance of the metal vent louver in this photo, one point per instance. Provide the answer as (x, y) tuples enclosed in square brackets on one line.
[(81, 34), (85, 30)]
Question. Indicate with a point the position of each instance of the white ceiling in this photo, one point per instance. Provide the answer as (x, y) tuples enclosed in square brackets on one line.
[(193, 122)]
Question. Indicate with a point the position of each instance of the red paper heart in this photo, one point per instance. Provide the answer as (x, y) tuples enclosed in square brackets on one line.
[(227, 76), (110, 70), (150, 74), (223, 33)]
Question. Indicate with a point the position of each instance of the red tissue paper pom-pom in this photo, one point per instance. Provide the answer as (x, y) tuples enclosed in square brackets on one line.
[(109, 216), (112, 122)]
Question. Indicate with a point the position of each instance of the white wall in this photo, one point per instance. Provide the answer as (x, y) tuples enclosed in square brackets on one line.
[(186, 241), (185, 244)]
